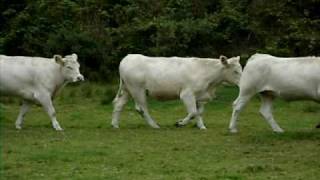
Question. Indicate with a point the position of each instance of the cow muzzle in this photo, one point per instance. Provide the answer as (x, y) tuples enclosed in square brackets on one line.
[(79, 78)]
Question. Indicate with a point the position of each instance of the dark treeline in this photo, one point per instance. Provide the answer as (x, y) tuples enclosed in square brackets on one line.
[(102, 32)]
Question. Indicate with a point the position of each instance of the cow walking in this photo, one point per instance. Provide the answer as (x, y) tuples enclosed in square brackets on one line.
[(288, 78), (38, 80), (193, 80)]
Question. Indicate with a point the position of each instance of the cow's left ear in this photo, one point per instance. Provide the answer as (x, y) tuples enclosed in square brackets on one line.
[(224, 60), (58, 59), (75, 56)]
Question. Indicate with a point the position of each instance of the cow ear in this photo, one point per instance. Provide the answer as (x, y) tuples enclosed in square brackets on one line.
[(75, 56), (236, 59), (58, 59), (224, 60)]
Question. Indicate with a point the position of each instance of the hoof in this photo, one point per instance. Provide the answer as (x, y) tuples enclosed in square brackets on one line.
[(233, 131), (58, 129), (203, 128), (279, 131), (178, 125), (156, 127), (115, 126)]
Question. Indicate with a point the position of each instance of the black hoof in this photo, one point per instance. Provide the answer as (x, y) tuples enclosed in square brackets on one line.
[(178, 125), (318, 126)]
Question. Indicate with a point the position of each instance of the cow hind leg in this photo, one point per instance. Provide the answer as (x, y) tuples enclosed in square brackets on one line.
[(238, 106), (25, 106), (140, 99), (190, 103), (266, 111), (118, 105)]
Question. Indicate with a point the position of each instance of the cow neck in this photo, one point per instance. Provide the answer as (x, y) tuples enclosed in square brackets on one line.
[(60, 82), (216, 76)]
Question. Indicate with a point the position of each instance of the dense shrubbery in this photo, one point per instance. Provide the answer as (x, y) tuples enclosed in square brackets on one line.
[(104, 31)]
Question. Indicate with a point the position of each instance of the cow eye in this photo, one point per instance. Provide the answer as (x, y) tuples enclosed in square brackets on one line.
[(69, 67)]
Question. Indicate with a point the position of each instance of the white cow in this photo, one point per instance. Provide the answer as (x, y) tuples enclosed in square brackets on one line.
[(37, 79), (190, 79), (287, 78)]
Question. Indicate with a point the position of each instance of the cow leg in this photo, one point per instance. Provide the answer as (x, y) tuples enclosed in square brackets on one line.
[(200, 108), (190, 103), (140, 99), (47, 105), (266, 111), (318, 125), (25, 106), (238, 106), (118, 104)]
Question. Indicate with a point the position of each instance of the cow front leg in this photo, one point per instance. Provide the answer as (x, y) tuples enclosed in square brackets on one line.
[(46, 102), (190, 102), (25, 106), (140, 99), (144, 112), (266, 111), (200, 108)]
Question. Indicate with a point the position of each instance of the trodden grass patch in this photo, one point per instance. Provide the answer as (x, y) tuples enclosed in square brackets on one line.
[(89, 148)]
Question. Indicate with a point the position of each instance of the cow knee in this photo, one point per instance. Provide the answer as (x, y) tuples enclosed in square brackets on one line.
[(240, 102), (117, 108), (236, 107), (235, 102), (120, 101)]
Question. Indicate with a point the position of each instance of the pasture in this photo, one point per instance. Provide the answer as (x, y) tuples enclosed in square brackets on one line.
[(89, 148)]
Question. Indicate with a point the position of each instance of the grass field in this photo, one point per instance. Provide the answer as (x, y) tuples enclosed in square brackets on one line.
[(90, 149)]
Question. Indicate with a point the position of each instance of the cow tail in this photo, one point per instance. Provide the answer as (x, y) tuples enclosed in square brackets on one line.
[(119, 93)]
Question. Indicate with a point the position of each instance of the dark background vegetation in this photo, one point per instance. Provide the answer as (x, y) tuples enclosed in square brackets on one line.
[(102, 32)]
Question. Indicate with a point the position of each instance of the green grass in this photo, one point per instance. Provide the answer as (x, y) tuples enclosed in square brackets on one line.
[(90, 149)]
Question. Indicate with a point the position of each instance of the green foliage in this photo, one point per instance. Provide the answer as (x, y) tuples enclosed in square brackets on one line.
[(102, 32)]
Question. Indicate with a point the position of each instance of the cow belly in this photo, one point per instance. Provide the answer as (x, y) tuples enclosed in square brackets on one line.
[(163, 89), (295, 97), (296, 89), (163, 95), (296, 94)]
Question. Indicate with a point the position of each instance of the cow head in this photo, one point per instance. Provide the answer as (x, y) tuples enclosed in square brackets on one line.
[(232, 69), (69, 67)]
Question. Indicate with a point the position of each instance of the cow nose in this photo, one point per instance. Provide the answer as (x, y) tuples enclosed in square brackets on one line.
[(80, 78)]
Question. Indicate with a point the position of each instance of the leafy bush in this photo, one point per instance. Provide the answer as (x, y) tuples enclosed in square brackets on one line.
[(103, 32)]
